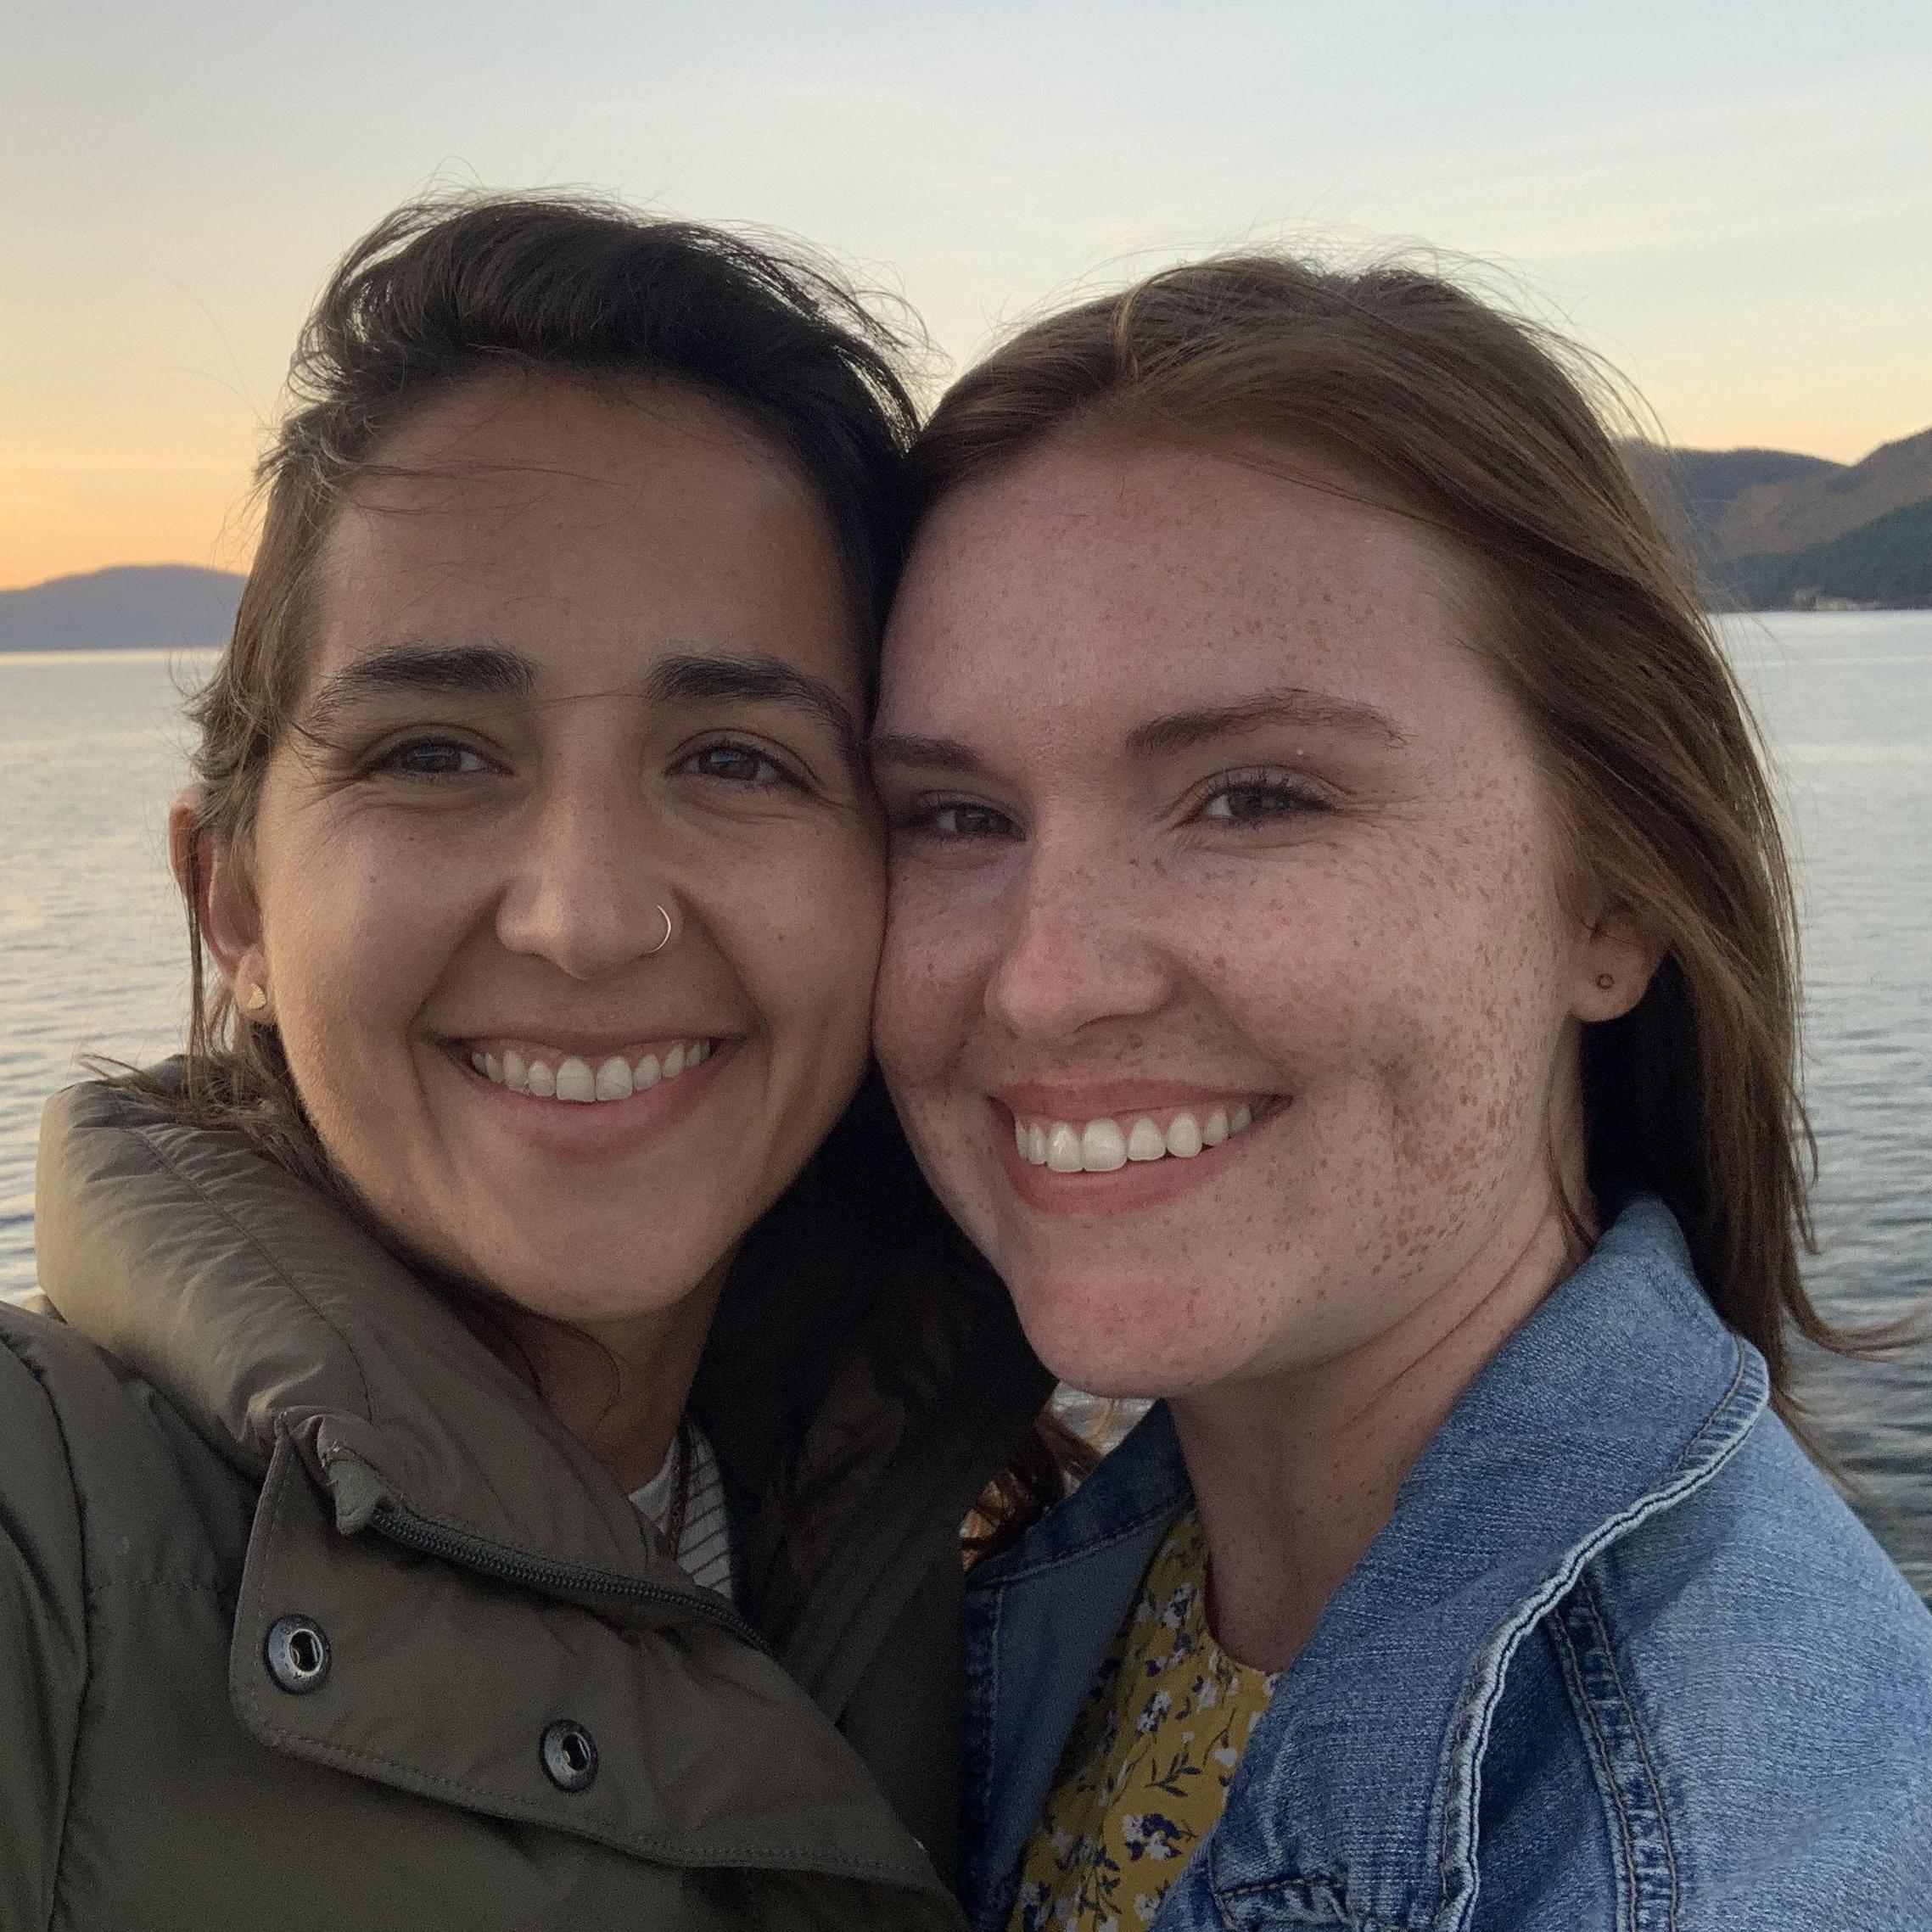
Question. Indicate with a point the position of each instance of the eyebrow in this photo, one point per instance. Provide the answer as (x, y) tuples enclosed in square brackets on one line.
[(1285, 704), (927, 754), (488, 669), (492, 670), (1176, 731), (755, 679)]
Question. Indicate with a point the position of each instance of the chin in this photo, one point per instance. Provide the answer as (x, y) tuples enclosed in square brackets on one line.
[(1116, 1336), (547, 1281), (586, 1298)]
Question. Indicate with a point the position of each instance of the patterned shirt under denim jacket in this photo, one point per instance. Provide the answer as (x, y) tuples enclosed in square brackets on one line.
[(1621, 1661)]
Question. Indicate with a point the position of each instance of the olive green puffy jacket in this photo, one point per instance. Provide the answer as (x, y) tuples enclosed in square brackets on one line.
[(499, 1703)]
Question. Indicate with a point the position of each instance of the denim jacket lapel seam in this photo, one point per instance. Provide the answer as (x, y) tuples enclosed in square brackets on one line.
[(1621, 1760), (1715, 1423), (1469, 1733)]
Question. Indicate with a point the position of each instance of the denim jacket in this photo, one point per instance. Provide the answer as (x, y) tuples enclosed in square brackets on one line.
[(1621, 1659)]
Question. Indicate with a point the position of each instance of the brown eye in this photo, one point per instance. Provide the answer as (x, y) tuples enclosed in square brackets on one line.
[(957, 822), (1251, 801), (1248, 802), (737, 764), (433, 758)]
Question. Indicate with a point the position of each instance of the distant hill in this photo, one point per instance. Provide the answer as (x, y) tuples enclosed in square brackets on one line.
[(1698, 486), (1769, 529), (135, 607), (1887, 563), (1773, 518), (1744, 513)]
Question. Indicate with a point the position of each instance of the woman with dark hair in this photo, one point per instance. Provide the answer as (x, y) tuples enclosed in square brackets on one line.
[(494, 1452), (1340, 971)]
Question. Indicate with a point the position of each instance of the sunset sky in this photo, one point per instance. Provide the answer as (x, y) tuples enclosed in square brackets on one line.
[(1732, 202)]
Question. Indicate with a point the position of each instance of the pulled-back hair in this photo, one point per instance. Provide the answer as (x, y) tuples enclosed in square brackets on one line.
[(1480, 424), (452, 290)]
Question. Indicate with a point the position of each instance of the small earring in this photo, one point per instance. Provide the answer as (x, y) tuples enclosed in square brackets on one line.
[(257, 999), (1605, 981)]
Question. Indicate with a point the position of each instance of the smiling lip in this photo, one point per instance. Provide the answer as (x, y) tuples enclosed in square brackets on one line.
[(1116, 1147), (583, 1115), (1094, 1100), (597, 1077)]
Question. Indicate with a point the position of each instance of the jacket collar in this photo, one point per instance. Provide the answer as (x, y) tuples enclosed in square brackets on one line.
[(1040, 1619), (322, 1370), (1620, 1396), (260, 1310)]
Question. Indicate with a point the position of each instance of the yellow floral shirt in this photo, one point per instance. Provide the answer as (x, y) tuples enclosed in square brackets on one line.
[(1146, 1769)]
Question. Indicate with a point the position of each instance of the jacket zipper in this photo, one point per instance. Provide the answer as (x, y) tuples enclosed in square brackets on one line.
[(559, 1579)]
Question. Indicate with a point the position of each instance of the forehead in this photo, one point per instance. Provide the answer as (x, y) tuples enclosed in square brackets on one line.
[(1097, 580), (581, 524)]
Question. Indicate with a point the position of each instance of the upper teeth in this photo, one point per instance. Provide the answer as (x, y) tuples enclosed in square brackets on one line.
[(567, 1077), (1100, 1146)]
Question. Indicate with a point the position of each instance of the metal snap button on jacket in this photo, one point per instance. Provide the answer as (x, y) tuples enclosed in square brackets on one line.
[(297, 1653), (569, 1755)]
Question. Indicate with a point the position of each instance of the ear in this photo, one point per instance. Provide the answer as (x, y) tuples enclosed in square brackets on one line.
[(184, 823), (226, 915), (1615, 966)]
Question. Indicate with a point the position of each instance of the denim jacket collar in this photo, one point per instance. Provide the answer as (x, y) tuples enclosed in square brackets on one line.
[(1620, 1395), (1041, 1618)]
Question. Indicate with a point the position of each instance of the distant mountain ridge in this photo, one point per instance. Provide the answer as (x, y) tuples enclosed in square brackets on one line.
[(1773, 529), (1710, 480), (1886, 562), (134, 607), (1769, 529)]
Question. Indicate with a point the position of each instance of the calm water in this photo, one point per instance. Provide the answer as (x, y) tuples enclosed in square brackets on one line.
[(90, 960)]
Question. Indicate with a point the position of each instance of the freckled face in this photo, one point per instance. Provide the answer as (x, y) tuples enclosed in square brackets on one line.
[(1203, 805), (579, 655)]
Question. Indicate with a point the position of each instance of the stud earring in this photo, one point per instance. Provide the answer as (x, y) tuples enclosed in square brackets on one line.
[(257, 999)]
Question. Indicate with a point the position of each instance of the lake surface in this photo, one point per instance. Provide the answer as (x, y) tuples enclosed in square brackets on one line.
[(93, 960)]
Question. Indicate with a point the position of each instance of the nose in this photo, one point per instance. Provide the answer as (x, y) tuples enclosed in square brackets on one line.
[(1082, 947), (584, 894)]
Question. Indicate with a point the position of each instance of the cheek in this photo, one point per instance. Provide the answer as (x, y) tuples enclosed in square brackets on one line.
[(1477, 1021), (1422, 998), (924, 990), (928, 997), (803, 936), (1495, 1023), (358, 927)]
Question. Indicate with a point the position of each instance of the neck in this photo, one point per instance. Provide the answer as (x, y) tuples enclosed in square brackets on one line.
[(1295, 1472), (620, 1386)]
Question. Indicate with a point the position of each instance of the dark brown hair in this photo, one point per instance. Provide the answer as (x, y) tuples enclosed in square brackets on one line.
[(448, 291), (1480, 424)]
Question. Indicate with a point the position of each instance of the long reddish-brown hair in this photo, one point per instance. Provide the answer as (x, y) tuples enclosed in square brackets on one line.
[(1482, 424)]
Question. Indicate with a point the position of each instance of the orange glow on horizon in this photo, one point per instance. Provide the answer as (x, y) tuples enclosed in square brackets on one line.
[(88, 514)]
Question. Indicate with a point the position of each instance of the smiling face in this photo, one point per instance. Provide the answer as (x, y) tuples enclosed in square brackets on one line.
[(1230, 993), (583, 663)]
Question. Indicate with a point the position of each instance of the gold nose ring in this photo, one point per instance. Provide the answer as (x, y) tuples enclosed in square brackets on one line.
[(669, 930)]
